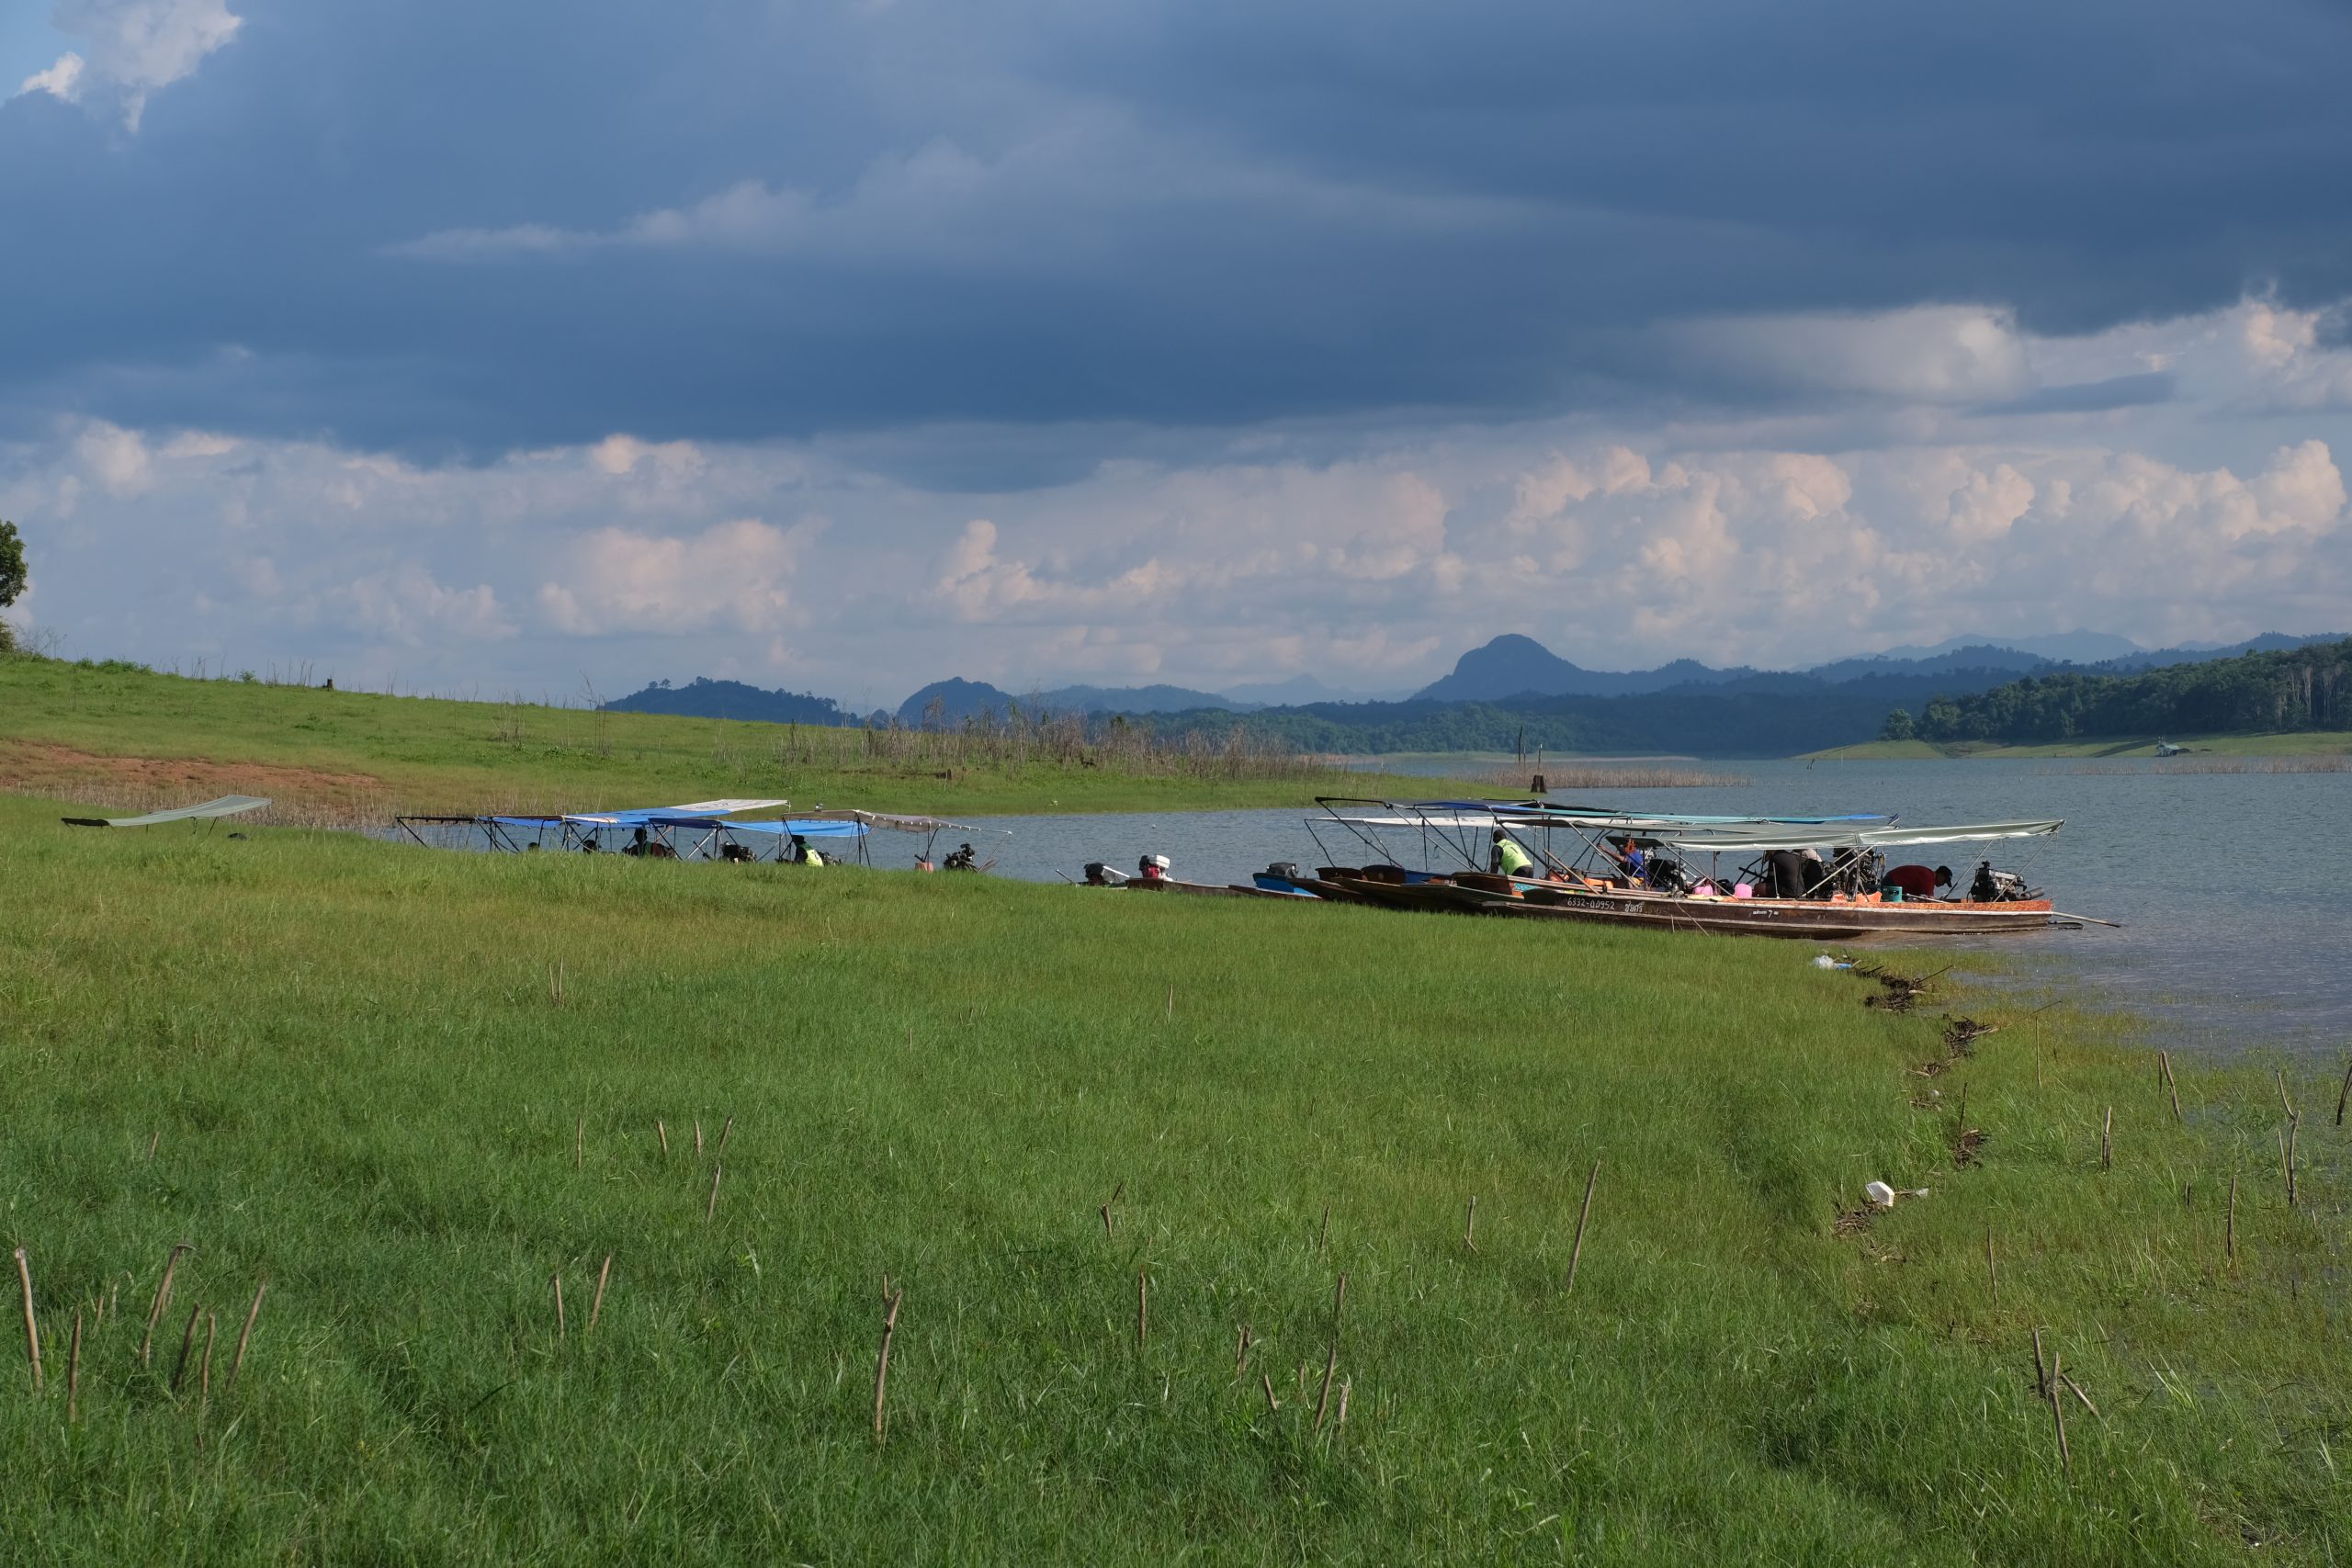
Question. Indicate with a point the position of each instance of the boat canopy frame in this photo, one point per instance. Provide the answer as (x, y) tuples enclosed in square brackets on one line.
[(1455, 824), (694, 832)]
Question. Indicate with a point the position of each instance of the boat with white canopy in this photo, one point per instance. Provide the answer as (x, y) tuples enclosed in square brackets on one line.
[(1815, 877)]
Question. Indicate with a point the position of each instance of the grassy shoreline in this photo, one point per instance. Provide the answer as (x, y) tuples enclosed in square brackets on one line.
[(414, 1089), (117, 735)]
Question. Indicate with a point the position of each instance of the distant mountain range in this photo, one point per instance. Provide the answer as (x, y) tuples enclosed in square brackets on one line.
[(1513, 690)]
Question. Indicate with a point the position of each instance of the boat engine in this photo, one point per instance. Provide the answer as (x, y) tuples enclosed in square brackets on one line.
[(1998, 886)]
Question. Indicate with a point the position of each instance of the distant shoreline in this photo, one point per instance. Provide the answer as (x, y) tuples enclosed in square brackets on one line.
[(2303, 743)]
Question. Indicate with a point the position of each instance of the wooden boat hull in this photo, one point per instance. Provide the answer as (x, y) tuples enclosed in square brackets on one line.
[(1394, 887), (1802, 920), (1479, 893), (1209, 889)]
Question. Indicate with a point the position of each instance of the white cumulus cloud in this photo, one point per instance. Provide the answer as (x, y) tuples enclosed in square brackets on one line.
[(407, 607), (736, 575), (135, 48)]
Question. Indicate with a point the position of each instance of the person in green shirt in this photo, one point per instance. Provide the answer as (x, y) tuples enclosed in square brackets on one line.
[(1510, 859)]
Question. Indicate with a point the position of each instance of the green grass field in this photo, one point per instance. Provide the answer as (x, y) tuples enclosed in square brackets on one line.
[(117, 734), (414, 1089), (2301, 743)]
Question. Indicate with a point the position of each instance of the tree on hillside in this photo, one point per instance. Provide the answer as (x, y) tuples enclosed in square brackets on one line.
[(2285, 690), (13, 576), (1898, 726)]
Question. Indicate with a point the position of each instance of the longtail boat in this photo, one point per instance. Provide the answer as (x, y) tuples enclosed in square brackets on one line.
[(1812, 878)]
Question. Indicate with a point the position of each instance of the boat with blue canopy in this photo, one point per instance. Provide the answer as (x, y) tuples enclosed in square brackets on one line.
[(726, 830)]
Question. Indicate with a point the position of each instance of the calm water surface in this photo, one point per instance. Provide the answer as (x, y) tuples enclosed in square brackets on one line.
[(2231, 885)]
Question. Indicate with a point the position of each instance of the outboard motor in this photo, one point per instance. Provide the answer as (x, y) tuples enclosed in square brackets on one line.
[(1996, 886), (1285, 869), (1669, 875)]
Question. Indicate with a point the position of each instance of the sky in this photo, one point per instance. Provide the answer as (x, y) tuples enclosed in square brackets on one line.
[(546, 350)]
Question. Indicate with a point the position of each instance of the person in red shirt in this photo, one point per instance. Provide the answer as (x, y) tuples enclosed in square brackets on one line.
[(1918, 881)]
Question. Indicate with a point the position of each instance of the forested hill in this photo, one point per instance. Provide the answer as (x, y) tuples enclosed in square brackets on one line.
[(1757, 715), (733, 699), (2302, 688)]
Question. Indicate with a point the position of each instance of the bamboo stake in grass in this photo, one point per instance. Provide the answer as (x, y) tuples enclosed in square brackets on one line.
[(1323, 1400), (1470, 1225), (596, 1307), (73, 1370), (244, 1336), (661, 1133), (579, 1142), (32, 1330), (2058, 1415), (2285, 1104), (2230, 1226), (152, 1144), (2107, 1141), (163, 1298), (725, 1132), (1241, 1351), (1143, 1307), (1323, 1238), (1341, 1424), (882, 1362), (556, 1279), (710, 1211), (1273, 1405), (2172, 1084), (1575, 1253), (1338, 1303), (2040, 1371), (697, 1137), (188, 1345), (204, 1370), (2294, 1125)]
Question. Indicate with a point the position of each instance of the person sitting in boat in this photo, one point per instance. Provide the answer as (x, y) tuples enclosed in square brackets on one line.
[(1152, 868), (647, 849), (1787, 873), (803, 853), (1510, 858), (1916, 881)]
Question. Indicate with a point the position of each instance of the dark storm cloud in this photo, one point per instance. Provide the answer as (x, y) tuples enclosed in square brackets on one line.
[(1189, 214)]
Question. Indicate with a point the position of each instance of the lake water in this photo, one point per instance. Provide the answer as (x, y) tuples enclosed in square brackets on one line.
[(2231, 885)]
